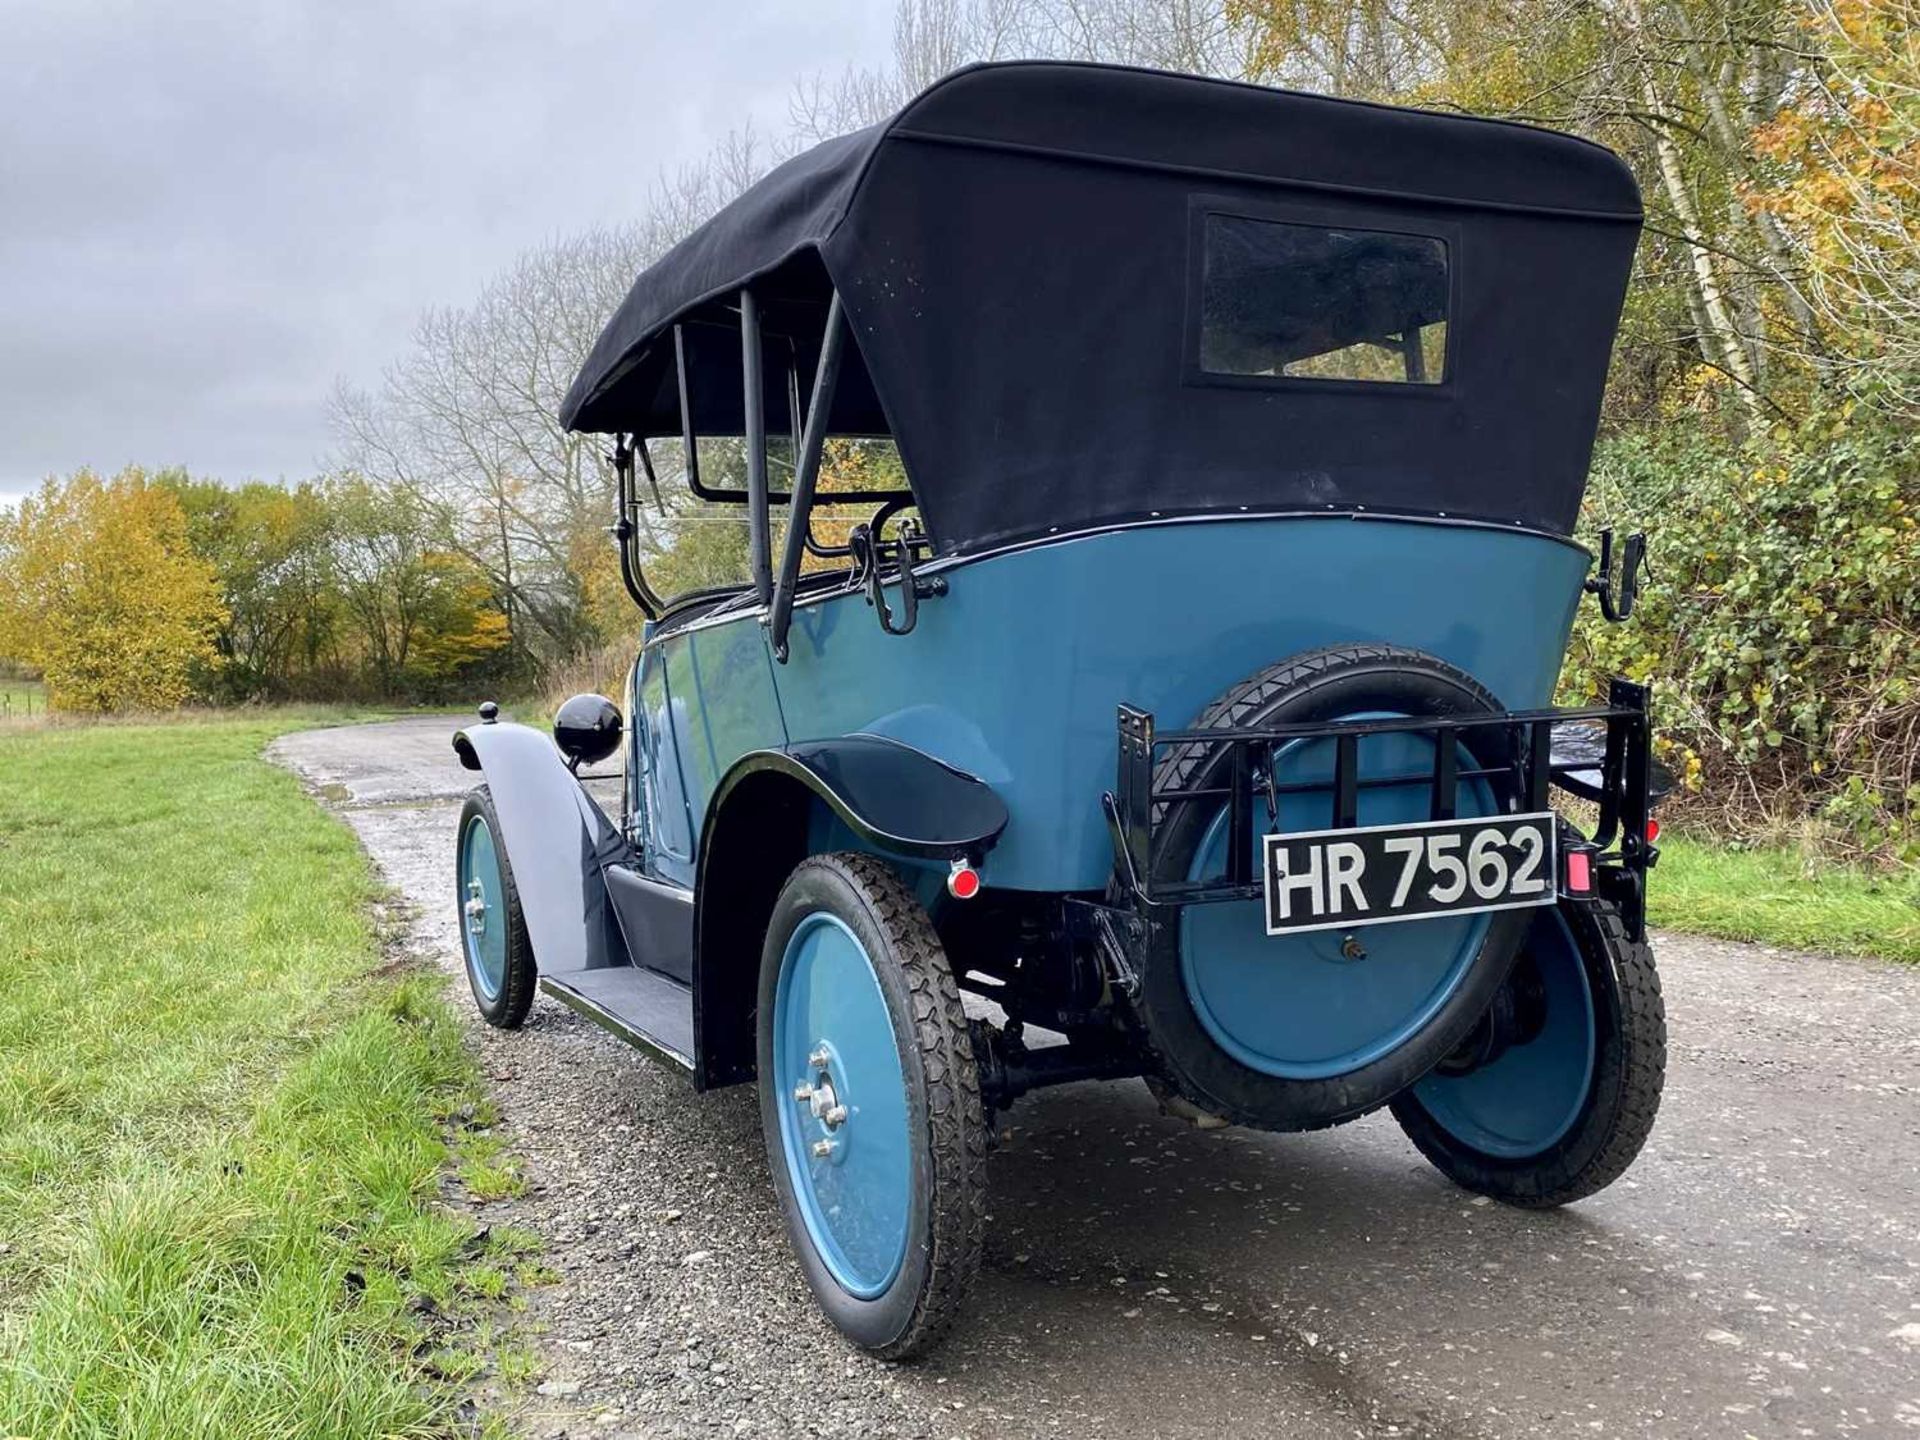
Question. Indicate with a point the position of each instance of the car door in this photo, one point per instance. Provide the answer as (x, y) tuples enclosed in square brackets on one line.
[(666, 824)]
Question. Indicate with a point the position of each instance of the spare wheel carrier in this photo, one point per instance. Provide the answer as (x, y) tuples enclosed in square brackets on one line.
[(1295, 1032)]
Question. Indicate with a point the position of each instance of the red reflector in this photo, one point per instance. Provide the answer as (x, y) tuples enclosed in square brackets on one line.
[(963, 881), (1653, 831), (1579, 872)]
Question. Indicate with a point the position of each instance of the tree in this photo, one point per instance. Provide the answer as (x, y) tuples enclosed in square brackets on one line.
[(467, 422), (101, 591), (272, 549), (422, 614), (1775, 143), (1843, 189)]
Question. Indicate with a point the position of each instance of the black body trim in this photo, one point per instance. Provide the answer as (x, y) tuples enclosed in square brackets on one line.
[(891, 795), (650, 1012), (657, 919)]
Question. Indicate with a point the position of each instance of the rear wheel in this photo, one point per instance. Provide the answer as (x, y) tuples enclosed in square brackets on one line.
[(1553, 1095), (493, 929), (870, 1103)]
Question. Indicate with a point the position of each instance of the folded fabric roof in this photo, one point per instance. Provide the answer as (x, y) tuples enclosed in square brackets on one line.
[(1015, 250)]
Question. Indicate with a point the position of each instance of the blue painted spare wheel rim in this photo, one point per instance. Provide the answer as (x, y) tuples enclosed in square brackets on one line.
[(1525, 1101), (483, 909), (1322, 1004), (843, 1114)]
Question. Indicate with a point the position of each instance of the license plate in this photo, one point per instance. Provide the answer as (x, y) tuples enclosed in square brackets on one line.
[(1333, 879)]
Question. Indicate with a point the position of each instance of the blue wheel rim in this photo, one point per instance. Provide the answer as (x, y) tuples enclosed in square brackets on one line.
[(834, 1043), (1527, 1099), (483, 909), (1298, 1007)]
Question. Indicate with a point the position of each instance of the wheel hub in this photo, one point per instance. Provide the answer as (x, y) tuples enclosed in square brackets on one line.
[(820, 1097), (476, 908)]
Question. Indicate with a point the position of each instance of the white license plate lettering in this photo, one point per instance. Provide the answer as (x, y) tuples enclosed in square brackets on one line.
[(1382, 873)]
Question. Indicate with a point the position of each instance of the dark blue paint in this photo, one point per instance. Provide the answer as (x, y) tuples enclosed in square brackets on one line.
[(1015, 674)]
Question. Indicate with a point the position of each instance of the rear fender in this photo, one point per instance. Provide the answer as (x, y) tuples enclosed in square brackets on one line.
[(558, 842), (896, 800)]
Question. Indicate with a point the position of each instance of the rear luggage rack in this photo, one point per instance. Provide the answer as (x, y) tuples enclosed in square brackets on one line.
[(1544, 748)]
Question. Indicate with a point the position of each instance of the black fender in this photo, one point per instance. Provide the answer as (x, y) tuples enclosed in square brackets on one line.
[(896, 799), (558, 841)]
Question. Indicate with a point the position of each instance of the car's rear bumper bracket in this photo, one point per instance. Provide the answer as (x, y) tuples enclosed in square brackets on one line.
[(1600, 753)]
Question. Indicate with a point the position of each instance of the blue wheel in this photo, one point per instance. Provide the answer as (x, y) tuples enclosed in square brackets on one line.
[(1297, 1031), (871, 1104), (493, 931), (1554, 1092)]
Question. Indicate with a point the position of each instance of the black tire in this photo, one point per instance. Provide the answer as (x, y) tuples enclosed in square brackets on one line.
[(1316, 685), (1629, 1073), (507, 1009), (946, 1128)]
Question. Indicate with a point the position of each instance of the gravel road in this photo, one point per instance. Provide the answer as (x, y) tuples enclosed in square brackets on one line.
[(1756, 1274)]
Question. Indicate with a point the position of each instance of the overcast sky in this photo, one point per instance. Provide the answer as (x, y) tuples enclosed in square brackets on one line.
[(211, 211)]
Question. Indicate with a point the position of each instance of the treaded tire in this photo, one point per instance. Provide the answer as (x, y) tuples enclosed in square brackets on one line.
[(1314, 685), (508, 1009), (1630, 1067), (947, 1129)]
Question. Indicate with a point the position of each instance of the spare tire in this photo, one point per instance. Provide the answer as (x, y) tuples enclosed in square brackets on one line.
[(1293, 1032)]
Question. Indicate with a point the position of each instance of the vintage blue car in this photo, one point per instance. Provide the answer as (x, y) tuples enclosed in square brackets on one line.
[(1258, 414)]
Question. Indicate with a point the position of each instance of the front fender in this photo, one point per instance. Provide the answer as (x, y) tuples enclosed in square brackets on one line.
[(558, 842)]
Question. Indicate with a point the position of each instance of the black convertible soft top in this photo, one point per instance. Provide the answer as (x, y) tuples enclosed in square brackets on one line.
[(1021, 252)]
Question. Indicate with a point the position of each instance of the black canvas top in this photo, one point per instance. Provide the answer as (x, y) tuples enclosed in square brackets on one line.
[(1021, 252)]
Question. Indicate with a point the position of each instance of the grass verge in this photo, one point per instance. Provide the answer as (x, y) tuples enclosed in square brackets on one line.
[(1779, 897), (222, 1127)]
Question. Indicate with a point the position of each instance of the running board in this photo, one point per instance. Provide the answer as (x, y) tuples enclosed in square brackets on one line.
[(650, 1011)]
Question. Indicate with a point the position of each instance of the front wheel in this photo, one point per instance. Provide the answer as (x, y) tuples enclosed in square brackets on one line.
[(493, 929), (1553, 1095), (870, 1102)]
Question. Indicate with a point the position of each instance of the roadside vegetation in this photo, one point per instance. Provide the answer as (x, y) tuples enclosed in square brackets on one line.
[(1783, 895), (225, 1124)]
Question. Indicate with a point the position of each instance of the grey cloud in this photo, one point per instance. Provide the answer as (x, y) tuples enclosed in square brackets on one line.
[(208, 213)]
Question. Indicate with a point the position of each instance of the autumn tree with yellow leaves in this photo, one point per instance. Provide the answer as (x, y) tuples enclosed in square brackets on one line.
[(101, 591)]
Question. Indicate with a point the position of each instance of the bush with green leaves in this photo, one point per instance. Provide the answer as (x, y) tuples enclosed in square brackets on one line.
[(1781, 622)]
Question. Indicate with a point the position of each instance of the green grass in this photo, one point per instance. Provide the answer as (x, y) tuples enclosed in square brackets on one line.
[(1781, 898), (222, 1128)]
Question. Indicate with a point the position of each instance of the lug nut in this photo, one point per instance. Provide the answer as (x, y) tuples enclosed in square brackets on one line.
[(803, 1093), (819, 1058), (836, 1117), (822, 1149)]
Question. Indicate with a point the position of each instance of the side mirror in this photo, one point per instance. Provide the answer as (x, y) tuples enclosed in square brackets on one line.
[(587, 729)]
